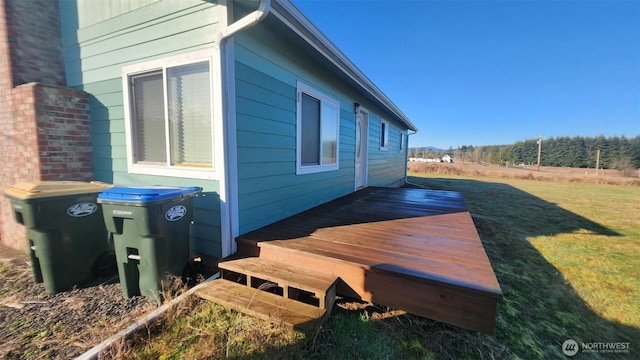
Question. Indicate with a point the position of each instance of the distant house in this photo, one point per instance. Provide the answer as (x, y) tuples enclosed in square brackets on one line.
[(247, 99), (446, 158)]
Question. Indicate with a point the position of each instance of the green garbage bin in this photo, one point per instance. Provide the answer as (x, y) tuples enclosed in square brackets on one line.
[(69, 244), (150, 228)]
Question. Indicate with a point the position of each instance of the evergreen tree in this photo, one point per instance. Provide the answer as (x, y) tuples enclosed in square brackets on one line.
[(564, 151)]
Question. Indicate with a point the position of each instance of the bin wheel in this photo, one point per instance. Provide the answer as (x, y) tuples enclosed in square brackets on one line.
[(106, 265), (193, 273)]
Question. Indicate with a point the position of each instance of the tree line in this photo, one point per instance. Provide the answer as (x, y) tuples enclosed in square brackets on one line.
[(581, 152)]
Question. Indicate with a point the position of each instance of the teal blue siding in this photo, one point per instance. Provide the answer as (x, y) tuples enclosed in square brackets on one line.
[(386, 167), (91, 12), (267, 67), (267, 71), (98, 52), (94, 57)]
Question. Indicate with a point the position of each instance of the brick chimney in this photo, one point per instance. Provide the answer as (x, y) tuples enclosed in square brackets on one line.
[(44, 126)]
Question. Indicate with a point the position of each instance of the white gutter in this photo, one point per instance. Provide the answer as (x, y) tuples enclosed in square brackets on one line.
[(246, 22)]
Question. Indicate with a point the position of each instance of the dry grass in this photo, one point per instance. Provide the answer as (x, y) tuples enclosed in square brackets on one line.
[(37, 325), (198, 329), (546, 173)]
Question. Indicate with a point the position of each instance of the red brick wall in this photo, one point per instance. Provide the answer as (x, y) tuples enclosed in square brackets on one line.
[(44, 127), (36, 44), (64, 133), (9, 156)]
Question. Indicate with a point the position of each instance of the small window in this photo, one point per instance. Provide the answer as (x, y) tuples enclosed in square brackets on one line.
[(318, 119), (169, 125), (403, 138), (384, 135)]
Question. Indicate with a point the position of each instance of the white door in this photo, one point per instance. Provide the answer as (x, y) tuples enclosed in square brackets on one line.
[(362, 135)]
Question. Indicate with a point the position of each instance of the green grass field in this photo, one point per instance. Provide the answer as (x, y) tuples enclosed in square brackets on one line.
[(565, 254)]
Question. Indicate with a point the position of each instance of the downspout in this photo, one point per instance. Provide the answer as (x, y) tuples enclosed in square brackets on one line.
[(227, 92), (406, 166), (245, 22)]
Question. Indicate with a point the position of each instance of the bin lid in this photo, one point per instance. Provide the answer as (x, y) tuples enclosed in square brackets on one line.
[(44, 189), (145, 194)]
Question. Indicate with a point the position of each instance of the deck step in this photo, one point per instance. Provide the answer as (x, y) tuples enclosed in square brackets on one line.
[(294, 283), (263, 305)]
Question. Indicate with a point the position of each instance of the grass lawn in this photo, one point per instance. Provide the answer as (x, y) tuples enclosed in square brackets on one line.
[(565, 254)]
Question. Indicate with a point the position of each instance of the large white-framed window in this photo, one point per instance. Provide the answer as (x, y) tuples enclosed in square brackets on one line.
[(168, 105), (384, 135), (318, 131)]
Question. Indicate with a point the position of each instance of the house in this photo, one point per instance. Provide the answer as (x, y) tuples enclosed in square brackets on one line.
[(251, 102), (246, 99), (446, 158)]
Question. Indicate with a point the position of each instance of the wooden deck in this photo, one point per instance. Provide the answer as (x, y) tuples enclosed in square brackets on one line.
[(411, 249)]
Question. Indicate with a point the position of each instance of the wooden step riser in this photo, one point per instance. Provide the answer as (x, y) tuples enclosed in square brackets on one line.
[(298, 277), (351, 282), (298, 283), (263, 305), (322, 300)]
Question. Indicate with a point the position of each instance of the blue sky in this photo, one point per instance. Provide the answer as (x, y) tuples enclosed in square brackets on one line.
[(495, 72)]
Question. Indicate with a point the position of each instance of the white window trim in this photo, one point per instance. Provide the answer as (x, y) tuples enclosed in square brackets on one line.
[(384, 146), (213, 173), (311, 169)]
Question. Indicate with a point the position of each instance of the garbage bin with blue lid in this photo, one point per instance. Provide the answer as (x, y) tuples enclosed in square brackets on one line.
[(68, 242), (150, 229)]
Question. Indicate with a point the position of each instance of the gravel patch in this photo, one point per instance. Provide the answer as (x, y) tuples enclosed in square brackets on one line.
[(37, 325)]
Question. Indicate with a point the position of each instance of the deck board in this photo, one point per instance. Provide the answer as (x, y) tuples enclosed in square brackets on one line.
[(262, 304), (280, 273), (421, 236)]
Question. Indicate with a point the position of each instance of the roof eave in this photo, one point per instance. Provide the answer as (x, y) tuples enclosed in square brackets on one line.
[(289, 15)]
